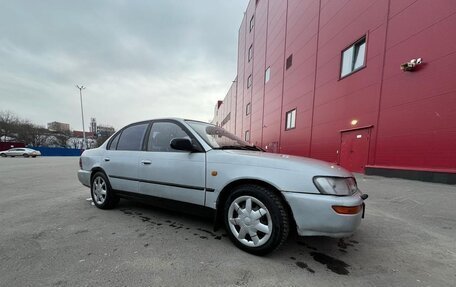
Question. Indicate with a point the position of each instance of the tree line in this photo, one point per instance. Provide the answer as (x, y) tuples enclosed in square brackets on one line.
[(14, 128)]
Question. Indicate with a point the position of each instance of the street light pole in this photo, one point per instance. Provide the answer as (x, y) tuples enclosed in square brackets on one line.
[(84, 144)]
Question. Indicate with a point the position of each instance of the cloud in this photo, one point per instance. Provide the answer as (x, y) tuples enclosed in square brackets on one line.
[(138, 59)]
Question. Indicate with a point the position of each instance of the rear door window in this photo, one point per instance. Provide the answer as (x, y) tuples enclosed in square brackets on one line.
[(132, 137), (115, 140)]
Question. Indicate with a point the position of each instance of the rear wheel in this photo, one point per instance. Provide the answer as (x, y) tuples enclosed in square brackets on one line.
[(102, 195), (3, 155), (256, 219)]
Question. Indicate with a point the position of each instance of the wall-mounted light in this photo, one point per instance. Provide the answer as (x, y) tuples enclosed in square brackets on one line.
[(354, 122), (411, 65)]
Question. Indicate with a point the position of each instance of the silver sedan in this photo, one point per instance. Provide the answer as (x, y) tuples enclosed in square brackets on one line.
[(257, 196), (25, 152)]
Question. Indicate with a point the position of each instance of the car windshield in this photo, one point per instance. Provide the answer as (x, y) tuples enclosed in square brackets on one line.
[(219, 138)]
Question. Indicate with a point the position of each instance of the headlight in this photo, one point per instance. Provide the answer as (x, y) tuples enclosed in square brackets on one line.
[(335, 185)]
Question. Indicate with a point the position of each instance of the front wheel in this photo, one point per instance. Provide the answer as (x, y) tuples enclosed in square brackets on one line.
[(102, 195), (3, 155), (256, 219)]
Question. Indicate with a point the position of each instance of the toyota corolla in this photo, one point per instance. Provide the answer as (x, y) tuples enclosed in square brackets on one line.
[(257, 196)]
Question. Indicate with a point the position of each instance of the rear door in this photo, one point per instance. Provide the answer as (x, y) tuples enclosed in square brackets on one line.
[(169, 173), (121, 159)]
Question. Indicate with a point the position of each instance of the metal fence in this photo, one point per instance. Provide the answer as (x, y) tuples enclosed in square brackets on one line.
[(55, 151)]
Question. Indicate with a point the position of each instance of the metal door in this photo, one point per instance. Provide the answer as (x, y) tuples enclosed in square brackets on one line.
[(354, 149)]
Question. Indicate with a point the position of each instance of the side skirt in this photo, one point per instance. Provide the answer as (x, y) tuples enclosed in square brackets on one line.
[(174, 205)]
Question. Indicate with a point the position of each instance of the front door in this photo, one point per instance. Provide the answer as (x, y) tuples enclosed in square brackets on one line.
[(169, 173), (354, 149)]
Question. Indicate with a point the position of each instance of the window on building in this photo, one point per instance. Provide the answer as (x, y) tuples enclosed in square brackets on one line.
[(247, 136), (132, 137), (252, 23), (291, 120), (249, 81), (248, 109), (289, 61), (353, 58), (267, 75), (250, 52)]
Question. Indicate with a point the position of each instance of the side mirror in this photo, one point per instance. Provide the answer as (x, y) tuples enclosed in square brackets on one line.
[(184, 144)]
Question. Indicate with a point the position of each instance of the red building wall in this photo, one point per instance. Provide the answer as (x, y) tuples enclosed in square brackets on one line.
[(409, 118)]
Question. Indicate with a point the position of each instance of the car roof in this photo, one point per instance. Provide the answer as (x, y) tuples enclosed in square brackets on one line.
[(171, 118)]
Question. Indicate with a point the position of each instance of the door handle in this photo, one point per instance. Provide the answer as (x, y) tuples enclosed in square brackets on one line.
[(144, 162), (107, 159)]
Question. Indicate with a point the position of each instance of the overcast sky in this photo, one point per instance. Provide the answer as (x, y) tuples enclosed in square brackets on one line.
[(138, 59)]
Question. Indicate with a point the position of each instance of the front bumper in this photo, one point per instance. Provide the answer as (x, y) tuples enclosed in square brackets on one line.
[(314, 215), (84, 177)]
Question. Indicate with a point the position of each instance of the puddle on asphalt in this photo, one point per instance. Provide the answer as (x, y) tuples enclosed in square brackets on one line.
[(333, 264), (177, 226), (302, 265)]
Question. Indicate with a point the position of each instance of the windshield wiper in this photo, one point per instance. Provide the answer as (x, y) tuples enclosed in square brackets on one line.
[(240, 147)]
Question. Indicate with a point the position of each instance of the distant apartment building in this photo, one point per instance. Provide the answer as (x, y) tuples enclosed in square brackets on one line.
[(58, 127), (103, 131), (93, 125)]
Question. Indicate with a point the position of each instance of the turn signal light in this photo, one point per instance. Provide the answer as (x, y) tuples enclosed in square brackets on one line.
[(347, 209)]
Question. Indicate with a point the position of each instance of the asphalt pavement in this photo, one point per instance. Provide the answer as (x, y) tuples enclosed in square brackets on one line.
[(51, 235)]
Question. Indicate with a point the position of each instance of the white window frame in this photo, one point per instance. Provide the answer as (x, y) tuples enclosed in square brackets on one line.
[(290, 119), (353, 57), (247, 136), (267, 75), (252, 23), (250, 53), (248, 109)]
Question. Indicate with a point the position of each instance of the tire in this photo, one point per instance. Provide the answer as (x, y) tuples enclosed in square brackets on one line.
[(258, 227), (3, 155), (25, 155), (102, 195)]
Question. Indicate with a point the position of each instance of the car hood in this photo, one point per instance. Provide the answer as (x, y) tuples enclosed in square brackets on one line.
[(279, 161)]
